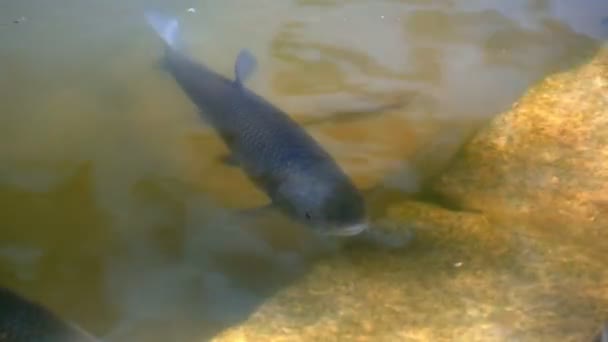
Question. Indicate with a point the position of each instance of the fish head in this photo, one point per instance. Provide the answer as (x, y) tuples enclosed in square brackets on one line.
[(341, 212), (327, 205)]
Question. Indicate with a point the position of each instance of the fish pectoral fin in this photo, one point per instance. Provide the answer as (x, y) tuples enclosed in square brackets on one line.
[(229, 160), (244, 66)]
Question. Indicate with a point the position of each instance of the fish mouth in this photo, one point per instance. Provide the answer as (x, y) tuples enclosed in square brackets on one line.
[(351, 230)]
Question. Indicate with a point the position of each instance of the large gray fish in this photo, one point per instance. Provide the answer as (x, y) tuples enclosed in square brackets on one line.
[(22, 320), (299, 176)]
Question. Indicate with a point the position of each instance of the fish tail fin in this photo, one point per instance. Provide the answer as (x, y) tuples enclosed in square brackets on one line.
[(166, 27)]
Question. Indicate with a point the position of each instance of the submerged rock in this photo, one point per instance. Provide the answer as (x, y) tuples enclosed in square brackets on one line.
[(385, 295), (463, 275), (546, 159), (479, 277)]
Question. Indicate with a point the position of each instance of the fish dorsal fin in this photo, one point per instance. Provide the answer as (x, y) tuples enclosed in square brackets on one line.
[(244, 66)]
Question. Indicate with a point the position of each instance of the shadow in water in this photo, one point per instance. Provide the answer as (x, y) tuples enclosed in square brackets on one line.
[(204, 274), (56, 238), (179, 268)]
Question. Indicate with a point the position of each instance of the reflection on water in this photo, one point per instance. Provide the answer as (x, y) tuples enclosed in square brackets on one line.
[(116, 212)]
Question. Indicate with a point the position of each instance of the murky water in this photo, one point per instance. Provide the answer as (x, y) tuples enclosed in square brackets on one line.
[(115, 209)]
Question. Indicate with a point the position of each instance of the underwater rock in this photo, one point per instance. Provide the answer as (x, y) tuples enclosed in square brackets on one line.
[(546, 159), (480, 277), (462, 275), (386, 295)]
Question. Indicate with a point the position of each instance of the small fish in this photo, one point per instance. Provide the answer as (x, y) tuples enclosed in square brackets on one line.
[(281, 158), (22, 320)]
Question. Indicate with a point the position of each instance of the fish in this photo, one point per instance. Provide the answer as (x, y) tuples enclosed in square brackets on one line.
[(299, 176), (24, 320)]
